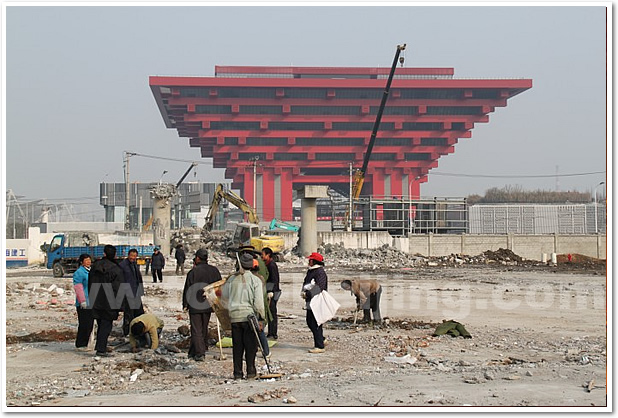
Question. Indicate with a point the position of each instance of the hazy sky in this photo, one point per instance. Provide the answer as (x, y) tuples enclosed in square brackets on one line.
[(77, 91)]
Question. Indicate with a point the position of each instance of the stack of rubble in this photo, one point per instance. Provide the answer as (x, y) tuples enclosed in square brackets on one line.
[(387, 257)]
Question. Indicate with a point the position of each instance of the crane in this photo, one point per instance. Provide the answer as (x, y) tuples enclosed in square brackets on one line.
[(359, 175)]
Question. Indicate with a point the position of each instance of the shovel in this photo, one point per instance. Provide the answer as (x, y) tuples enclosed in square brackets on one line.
[(221, 356), (253, 322)]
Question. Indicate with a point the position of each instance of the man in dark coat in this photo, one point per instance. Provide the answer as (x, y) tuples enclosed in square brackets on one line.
[(194, 300), (180, 259), (157, 262), (133, 289), (272, 287), (103, 285)]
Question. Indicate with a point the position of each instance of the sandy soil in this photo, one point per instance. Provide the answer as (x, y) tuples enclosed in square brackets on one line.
[(539, 339)]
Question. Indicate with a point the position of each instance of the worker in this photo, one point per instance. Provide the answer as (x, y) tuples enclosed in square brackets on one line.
[(251, 250), (273, 290), (85, 320), (243, 294), (368, 293), (145, 332), (194, 300), (268, 318), (104, 282), (180, 257), (315, 282), (156, 264), (133, 290)]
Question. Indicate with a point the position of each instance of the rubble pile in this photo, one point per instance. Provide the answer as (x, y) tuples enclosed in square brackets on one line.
[(387, 257), (272, 394), (195, 238), (501, 255)]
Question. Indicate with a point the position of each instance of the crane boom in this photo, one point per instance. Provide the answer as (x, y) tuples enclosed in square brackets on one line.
[(193, 164), (359, 175)]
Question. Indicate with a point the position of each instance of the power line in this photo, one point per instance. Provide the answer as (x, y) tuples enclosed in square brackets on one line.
[(169, 159), (536, 176)]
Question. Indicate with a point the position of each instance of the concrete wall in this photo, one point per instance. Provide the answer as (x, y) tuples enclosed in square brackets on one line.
[(372, 239), (527, 246)]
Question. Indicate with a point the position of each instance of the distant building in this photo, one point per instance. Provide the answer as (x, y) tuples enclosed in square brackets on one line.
[(188, 208), (275, 129)]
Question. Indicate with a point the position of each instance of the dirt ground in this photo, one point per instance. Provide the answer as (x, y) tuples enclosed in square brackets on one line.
[(539, 338)]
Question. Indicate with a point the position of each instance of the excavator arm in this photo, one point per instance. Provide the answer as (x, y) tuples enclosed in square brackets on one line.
[(233, 198)]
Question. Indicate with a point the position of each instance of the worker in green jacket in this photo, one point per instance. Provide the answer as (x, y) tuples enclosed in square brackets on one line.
[(243, 295)]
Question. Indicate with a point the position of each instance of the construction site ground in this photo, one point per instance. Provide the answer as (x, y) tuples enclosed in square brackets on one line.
[(539, 338)]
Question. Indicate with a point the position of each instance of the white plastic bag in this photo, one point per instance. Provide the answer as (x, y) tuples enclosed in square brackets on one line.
[(324, 307)]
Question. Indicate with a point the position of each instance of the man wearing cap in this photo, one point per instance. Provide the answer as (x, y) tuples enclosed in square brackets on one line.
[(368, 293), (243, 295), (250, 249), (194, 300), (315, 282), (157, 263)]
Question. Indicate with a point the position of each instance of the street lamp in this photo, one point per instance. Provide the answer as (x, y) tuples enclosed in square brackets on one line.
[(161, 178), (596, 226)]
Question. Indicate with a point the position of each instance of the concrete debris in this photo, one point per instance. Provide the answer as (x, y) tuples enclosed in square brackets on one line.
[(135, 374), (387, 257), (184, 330), (268, 395), (407, 359), (401, 346)]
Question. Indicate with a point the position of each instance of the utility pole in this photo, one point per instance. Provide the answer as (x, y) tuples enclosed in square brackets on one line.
[(127, 196), (596, 225), (255, 159), (349, 224)]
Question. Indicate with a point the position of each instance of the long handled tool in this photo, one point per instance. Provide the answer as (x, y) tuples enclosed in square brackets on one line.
[(253, 322), (221, 356)]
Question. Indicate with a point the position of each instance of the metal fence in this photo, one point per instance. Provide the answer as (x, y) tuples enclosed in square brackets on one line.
[(401, 217), (538, 219)]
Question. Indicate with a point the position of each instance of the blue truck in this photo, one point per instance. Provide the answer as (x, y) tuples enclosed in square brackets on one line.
[(64, 250)]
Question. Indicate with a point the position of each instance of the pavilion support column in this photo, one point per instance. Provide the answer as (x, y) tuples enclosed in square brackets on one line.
[(268, 195), (283, 194), (397, 188), (377, 183), (309, 217)]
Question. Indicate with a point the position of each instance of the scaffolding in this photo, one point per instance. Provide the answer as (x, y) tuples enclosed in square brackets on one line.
[(401, 217)]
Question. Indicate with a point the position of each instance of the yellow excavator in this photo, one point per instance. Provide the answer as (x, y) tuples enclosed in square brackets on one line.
[(247, 233)]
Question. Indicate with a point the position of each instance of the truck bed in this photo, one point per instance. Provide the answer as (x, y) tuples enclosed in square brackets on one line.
[(97, 252)]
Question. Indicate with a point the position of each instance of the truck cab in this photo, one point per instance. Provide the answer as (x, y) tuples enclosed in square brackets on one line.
[(60, 256)]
